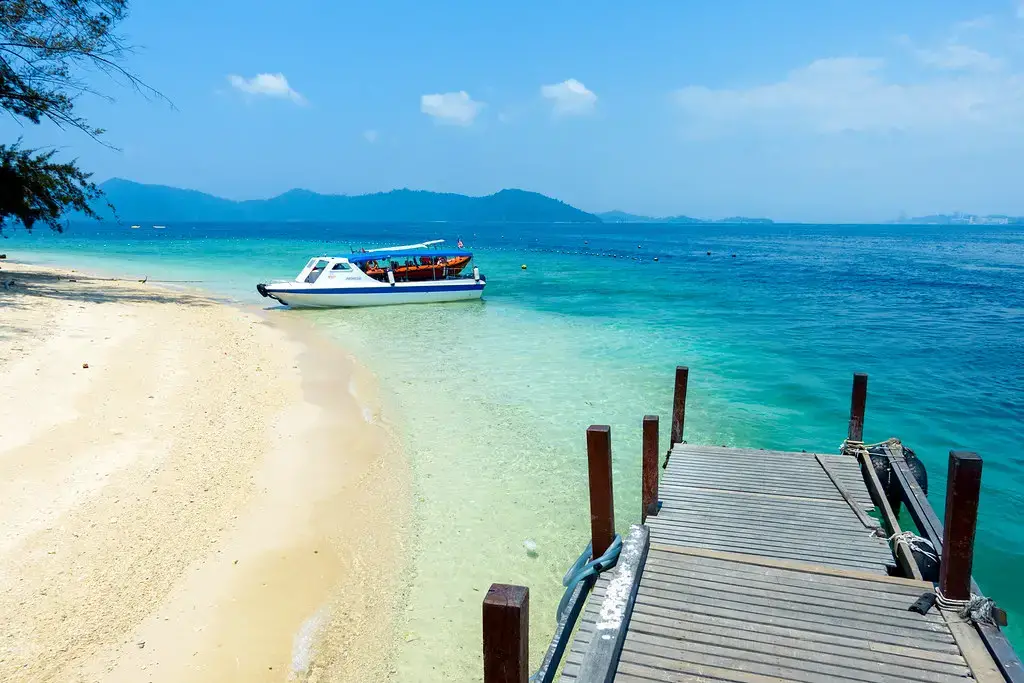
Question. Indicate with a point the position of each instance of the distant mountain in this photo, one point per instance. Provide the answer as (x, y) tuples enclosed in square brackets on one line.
[(137, 203), (961, 219), (623, 217)]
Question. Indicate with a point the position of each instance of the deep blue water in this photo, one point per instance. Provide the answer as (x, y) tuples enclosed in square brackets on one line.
[(773, 322)]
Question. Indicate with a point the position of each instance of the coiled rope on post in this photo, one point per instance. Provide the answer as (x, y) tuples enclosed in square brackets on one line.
[(977, 609), (583, 568)]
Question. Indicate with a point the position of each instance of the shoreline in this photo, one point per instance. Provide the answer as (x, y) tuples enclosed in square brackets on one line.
[(215, 496)]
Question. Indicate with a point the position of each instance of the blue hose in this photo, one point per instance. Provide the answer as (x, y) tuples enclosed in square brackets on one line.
[(583, 568)]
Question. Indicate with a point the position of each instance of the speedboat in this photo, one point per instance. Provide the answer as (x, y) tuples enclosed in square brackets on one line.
[(408, 274)]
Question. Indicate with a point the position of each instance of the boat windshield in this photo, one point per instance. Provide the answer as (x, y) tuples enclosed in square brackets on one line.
[(318, 268)]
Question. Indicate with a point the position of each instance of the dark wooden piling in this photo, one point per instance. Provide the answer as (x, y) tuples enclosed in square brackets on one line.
[(963, 487), (858, 401), (599, 470), (679, 405), (506, 631), (649, 496)]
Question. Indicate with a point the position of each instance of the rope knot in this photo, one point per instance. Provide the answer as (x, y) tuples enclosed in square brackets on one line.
[(977, 609)]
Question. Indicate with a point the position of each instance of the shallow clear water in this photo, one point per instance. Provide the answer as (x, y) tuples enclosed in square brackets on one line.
[(493, 397)]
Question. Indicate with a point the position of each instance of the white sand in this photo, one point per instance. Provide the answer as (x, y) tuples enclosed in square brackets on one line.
[(205, 502)]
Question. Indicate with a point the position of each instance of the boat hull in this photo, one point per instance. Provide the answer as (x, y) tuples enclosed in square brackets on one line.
[(385, 295)]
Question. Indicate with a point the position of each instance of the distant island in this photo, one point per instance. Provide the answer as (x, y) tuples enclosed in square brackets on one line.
[(137, 202), (960, 219), (623, 217)]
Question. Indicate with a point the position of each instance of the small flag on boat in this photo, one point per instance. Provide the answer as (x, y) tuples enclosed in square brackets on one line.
[(460, 244)]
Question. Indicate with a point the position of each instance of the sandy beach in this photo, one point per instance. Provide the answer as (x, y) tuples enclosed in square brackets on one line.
[(189, 491)]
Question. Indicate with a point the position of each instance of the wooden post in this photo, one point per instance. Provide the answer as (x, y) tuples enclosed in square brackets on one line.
[(506, 626), (857, 403), (679, 406), (599, 470), (963, 487), (649, 496)]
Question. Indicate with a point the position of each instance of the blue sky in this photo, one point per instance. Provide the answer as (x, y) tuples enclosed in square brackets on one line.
[(814, 110)]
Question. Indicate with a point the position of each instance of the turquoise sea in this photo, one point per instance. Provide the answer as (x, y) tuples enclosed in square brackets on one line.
[(492, 398)]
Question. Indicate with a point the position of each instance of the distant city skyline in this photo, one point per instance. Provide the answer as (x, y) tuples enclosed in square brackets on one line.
[(810, 112)]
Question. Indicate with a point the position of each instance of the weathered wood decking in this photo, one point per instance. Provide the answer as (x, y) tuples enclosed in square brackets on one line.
[(763, 566)]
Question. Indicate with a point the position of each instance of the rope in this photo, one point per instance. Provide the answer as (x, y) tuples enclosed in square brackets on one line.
[(851, 447), (977, 609), (583, 568), (917, 543)]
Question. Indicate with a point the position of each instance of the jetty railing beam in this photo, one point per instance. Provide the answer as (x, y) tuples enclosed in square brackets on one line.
[(679, 406), (963, 487), (506, 631), (599, 472), (649, 495), (858, 401)]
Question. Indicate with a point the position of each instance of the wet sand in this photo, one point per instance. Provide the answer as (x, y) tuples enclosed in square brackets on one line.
[(215, 497)]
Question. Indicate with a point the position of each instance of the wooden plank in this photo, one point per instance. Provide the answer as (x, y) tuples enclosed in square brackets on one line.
[(698, 625), (793, 602), (868, 522), (783, 584), (719, 667), (810, 600), (770, 544), (804, 571), (833, 514), (807, 526), (798, 616), (816, 630), (645, 672), (917, 503), (793, 554), (753, 495), (904, 555), (807, 662), (796, 566), (618, 595), (979, 659), (784, 555), (799, 529)]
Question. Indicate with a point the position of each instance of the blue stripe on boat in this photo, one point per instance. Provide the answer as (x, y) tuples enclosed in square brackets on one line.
[(378, 290)]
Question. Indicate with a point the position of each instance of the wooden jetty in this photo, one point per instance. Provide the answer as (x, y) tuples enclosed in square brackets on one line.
[(760, 566)]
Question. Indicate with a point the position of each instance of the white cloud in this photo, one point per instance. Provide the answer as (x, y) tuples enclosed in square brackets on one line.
[(451, 107), (570, 97), (370, 135), (852, 94), (977, 23), (959, 57), (270, 85)]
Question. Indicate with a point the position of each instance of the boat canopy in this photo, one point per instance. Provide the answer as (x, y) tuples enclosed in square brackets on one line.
[(400, 253)]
